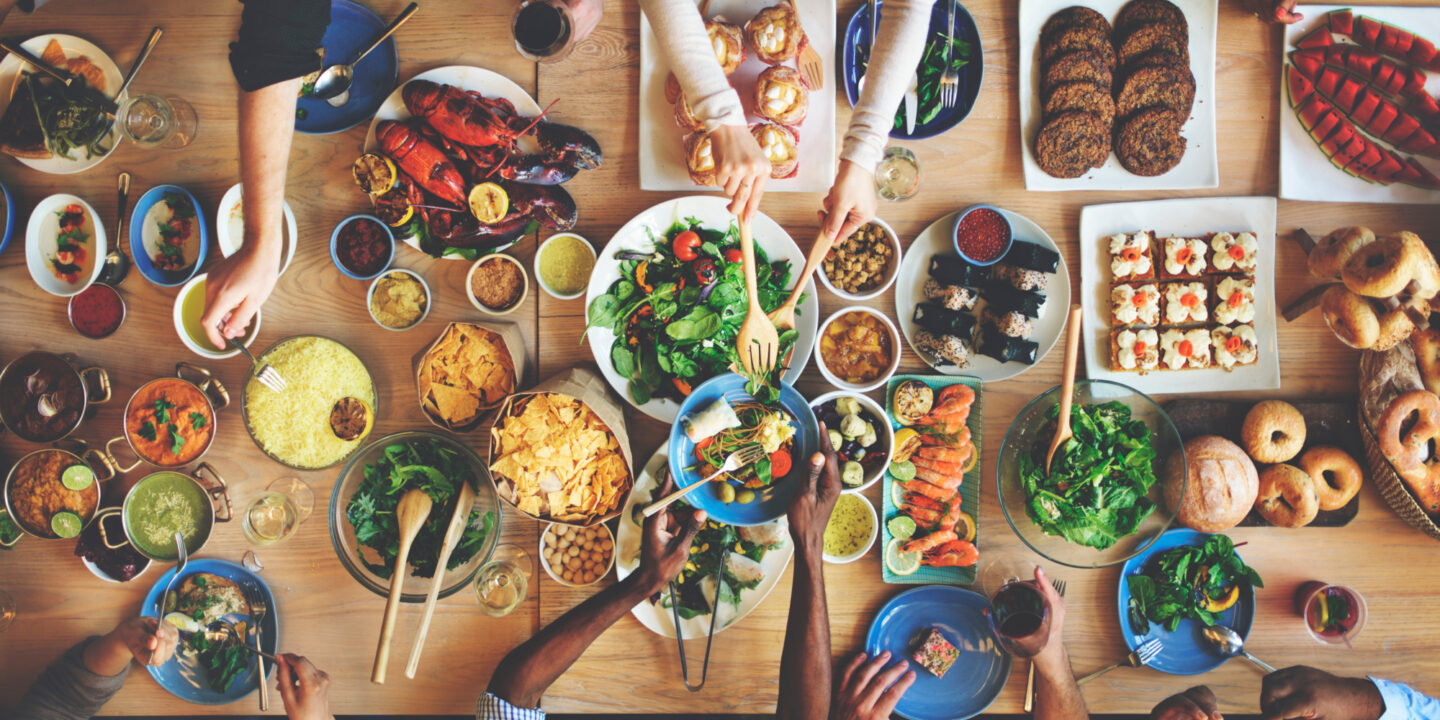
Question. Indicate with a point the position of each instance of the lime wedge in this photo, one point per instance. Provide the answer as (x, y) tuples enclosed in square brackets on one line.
[(901, 527), (902, 470), (77, 477), (66, 524), (901, 563)]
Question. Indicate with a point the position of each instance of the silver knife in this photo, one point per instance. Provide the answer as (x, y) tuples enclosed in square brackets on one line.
[(911, 101)]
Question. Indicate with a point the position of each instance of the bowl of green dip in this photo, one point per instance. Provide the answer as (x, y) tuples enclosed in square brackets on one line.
[(563, 265), (164, 503)]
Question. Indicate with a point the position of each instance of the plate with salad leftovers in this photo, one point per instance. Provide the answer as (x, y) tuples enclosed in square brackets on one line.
[(750, 574), (168, 236), (667, 297), (966, 56), (1179, 586), (722, 418), (206, 668), (60, 132)]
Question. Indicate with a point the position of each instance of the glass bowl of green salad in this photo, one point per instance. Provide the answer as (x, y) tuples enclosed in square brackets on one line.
[(363, 527), (1102, 502)]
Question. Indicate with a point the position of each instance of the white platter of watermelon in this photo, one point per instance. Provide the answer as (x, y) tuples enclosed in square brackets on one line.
[(1363, 124)]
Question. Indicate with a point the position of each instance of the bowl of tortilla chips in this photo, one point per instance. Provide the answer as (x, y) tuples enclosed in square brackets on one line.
[(554, 459), (467, 372)]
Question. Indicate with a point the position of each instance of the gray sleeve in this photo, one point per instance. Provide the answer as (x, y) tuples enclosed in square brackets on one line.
[(67, 690)]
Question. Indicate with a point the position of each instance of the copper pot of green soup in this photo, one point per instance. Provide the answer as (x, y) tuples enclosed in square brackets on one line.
[(164, 503)]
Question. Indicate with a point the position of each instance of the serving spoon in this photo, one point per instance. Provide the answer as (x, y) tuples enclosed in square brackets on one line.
[(333, 85), (784, 316), (1228, 643), (458, 522), (1063, 433), (410, 515)]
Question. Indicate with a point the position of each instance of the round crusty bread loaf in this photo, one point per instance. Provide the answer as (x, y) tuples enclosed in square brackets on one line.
[(1220, 486)]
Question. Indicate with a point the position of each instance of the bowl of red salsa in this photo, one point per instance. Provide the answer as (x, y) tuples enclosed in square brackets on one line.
[(982, 234), (362, 247)]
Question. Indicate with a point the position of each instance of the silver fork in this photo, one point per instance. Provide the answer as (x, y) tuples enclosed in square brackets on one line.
[(738, 459), (950, 80), (1030, 683), (258, 610), (1140, 657), (268, 376)]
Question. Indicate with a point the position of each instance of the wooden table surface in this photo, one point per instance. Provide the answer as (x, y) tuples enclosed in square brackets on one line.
[(330, 618)]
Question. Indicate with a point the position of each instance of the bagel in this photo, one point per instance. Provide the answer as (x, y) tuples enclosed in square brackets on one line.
[(1273, 432), (1407, 428), (1426, 344), (1287, 496), (1426, 488), (1334, 250), (1337, 476), (1350, 317), (1396, 326), (1382, 268), (1425, 277)]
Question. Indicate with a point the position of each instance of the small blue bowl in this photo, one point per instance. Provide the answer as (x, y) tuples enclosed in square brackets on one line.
[(770, 502), (1009, 234), (9, 217), (389, 252), (138, 227)]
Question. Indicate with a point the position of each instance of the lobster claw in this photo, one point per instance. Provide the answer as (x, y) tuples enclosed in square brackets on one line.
[(537, 169), (549, 205), (571, 144)]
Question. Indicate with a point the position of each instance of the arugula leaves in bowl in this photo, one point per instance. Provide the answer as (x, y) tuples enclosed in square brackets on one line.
[(1196, 582)]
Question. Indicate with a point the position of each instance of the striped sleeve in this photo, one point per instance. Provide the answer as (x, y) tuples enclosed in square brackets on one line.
[(490, 707)]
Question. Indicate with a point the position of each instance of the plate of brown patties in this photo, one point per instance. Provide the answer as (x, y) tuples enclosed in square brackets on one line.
[(1118, 94)]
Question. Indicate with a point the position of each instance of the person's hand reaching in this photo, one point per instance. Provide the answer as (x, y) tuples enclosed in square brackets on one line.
[(1197, 703), (1304, 692), (812, 502), (1052, 661), (304, 688), (1274, 11), (867, 693), (665, 544), (150, 641), (236, 288), (851, 203), (741, 168)]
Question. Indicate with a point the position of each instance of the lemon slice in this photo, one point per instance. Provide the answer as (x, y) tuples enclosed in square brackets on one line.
[(898, 562), (184, 622), (897, 495), (489, 203), (907, 441), (965, 527), (374, 173)]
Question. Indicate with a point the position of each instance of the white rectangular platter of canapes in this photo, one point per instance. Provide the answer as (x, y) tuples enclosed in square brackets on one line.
[(1179, 295), (664, 144)]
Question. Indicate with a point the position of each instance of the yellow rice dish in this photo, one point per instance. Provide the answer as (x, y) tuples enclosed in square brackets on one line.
[(294, 426)]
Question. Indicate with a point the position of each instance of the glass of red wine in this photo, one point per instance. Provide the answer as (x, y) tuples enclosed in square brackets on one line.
[(1019, 613), (547, 30), (1333, 614)]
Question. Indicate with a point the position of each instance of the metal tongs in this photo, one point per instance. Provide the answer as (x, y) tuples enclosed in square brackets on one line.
[(680, 634)]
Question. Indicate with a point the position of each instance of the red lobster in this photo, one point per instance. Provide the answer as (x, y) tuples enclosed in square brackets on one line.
[(422, 160), (493, 128)]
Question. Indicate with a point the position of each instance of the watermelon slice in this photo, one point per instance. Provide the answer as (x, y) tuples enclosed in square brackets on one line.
[(1365, 108), (1422, 52), (1326, 125), (1384, 116), (1367, 31), (1368, 158), (1341, 21), (1309, 61), (1423, 107), (1384, 73), (1404, 126), (1312, 109), (1397, 39), (1434, 64), (1387, 41), (1329, 81), (1416, 174), (1299, 86), (1319, 37), (1385, 170), (1348, 94), (1361, 61), (1414, 82), (1421, 143), (1335, 55), (1409, 172)]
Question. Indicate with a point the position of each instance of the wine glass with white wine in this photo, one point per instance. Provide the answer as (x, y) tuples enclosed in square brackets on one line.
[(502, 583), (273, 516), (153, 121)]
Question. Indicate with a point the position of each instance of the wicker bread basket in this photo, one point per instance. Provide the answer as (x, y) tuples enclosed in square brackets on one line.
[(1391, 487)]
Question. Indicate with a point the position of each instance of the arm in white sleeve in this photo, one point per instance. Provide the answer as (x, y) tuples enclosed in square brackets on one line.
[(1403, 703), (904, 29), (686, 47)]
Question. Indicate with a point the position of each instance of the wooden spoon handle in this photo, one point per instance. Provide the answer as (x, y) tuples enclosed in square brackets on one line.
[(392, 610), (456, 530), (818, 251), (1072, 356), (747, 255)]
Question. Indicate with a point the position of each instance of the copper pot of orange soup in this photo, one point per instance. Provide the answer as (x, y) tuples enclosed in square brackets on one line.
[(170, 422)]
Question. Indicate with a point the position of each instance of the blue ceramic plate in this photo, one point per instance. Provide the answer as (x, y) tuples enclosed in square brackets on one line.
[(352, 28), (976, 678), (182, 676), (9, 211), (770, 502), (139, 226), (1186, 651), (855, 44)]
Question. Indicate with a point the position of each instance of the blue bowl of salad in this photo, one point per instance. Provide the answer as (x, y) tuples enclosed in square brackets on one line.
[(707, 433)]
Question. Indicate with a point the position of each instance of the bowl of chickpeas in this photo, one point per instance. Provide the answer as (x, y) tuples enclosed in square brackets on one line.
[(863, 265), (577, 557)]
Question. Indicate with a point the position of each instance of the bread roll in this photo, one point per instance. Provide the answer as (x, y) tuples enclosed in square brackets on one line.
[(1220, 484)]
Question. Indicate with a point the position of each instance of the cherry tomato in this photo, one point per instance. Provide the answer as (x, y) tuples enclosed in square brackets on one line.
[(686, 245), (733, 255), (705, 271)]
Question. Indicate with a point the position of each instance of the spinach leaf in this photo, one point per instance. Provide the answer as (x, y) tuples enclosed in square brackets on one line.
[(622, 358)]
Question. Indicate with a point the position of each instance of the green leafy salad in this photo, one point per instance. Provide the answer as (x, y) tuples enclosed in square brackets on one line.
[(1096, 491), (223, 662), (427, 465), (1196, 582), (677, 309), (731, 554)]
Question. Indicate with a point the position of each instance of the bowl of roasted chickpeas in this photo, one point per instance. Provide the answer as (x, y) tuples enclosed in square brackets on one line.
[(863, 265), (577, 557)]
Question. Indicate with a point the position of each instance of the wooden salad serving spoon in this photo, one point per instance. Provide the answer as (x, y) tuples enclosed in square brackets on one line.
[(1063, 433)]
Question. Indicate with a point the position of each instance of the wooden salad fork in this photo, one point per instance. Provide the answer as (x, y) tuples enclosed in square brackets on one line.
[(757, 344), (784, 316), (812, 68), (410, 515)]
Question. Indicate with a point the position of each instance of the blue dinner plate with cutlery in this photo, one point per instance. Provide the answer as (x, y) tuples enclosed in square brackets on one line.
[(183, 675), (143, 223), (1186, 652), (855, 47), (978, 675), (352, 28)]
